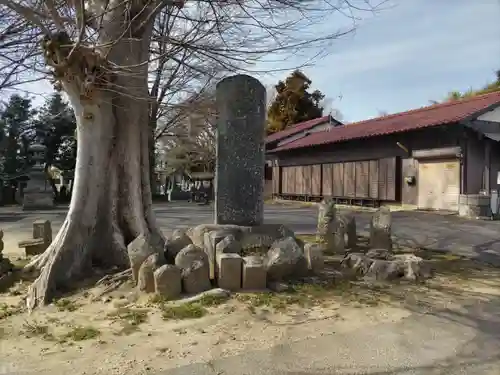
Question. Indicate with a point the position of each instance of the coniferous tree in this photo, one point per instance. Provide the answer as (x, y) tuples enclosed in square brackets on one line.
[(15, 129), (55, 128), (293, 103)]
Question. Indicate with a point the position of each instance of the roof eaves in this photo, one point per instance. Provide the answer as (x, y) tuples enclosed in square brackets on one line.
[(480, 112)]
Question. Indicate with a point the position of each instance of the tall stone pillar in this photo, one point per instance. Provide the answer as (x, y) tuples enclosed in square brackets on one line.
[(239, 179)]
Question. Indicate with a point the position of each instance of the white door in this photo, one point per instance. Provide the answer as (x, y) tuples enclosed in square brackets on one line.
[(439, 185)]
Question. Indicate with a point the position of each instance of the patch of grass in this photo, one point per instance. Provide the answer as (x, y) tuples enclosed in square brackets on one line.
[(308, 295), (131, 319), (35, 329), (8, 310), (133, 316), (82, 333), (277, 301), (212, 300), (53, 320), (157, 300), (183, 311), (65, 304)]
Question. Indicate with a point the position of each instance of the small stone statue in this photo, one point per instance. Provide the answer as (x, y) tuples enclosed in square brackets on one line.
[(329, 231), (380, 229)]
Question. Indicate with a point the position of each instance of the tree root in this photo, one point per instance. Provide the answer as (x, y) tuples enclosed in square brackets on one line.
[(120, 276), (113, 282)]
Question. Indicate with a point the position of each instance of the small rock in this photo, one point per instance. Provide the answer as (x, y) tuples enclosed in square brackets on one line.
[(189, 254), (415, 268), (278, 286), (385, 270), (357, 262), (195, 278), (228, 244), (383, 254), (138, 251), (167, 280), (145, 278), (176, 243), (284, 260)]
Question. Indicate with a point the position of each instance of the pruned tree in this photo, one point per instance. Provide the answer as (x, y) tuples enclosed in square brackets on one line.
[(17, 52), (99, 53)]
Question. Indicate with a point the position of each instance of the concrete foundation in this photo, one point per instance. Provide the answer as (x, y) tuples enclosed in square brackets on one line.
[(475, 206)]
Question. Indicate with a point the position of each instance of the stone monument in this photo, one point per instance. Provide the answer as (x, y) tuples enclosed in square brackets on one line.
[(38, 194), (239, 180)]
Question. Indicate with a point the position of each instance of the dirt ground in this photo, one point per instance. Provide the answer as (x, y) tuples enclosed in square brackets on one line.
[(124, 333)]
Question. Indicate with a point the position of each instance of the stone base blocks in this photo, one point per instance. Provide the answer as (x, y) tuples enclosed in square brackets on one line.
[(42, 238), (229, 268), (254, 275)]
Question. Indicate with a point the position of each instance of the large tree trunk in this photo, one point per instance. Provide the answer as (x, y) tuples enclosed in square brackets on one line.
[(111, 199)]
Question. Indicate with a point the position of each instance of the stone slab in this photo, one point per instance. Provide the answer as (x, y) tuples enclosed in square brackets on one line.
[(229, 268), (254, 275)]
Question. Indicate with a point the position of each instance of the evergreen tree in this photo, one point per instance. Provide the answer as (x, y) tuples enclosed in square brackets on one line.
[(15, 129), (55, 128), (293, 103)]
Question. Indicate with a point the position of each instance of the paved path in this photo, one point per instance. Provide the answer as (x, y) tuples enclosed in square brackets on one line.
[(441, 344), (479, 239)]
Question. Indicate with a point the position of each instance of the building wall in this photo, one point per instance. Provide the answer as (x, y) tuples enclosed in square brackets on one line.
[(495, 166), (409, 193), (482, 163), (476, 163), (375, 147), (475, 158)]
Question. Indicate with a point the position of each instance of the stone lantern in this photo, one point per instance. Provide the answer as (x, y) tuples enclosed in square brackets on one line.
[(38, 193)]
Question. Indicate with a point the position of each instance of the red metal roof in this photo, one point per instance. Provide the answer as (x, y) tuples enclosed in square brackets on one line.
[(434, 115), (297, 128)]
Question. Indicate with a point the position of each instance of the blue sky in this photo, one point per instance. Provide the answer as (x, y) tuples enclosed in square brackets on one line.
[(413, 52), (404, 56)]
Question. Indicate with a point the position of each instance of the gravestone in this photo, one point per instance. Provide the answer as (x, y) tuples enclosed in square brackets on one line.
[(38, 194), (239, 180)]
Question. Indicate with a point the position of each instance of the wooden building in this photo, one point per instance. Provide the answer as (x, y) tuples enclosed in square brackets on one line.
[(432, 157)]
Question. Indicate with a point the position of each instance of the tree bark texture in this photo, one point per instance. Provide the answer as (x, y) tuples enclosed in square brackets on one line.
[(111, 200)]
